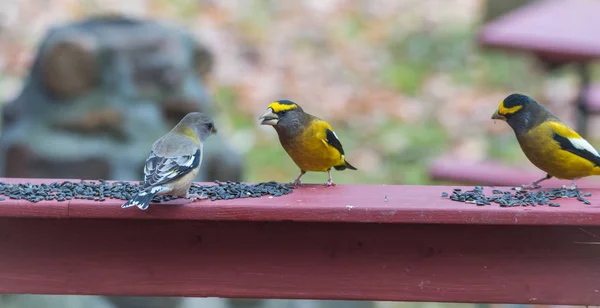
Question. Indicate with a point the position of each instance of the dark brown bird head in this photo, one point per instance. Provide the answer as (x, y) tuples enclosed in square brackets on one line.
[(521, 112), (284, 115)]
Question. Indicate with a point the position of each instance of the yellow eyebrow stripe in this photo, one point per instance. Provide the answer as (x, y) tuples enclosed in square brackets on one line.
[(277, 107), (504, 110)]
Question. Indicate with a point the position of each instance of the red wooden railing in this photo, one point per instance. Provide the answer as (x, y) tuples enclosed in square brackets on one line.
[(343, 242)]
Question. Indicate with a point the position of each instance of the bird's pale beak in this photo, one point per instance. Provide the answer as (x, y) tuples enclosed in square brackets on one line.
[(498, 116), (269, 118)]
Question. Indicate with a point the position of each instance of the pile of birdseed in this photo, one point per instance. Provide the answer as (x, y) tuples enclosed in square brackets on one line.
[(101, 189), (518, 198)]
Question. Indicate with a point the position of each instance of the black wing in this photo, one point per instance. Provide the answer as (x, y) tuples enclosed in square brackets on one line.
[(160, 170), (333, 140), (568, 146)]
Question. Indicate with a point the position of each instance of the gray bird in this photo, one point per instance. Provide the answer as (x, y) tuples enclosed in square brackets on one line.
[(174, 161)]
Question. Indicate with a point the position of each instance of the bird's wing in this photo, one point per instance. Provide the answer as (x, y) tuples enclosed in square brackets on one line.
[(571, 141), (333, 140), (323, 131), (160, 170)]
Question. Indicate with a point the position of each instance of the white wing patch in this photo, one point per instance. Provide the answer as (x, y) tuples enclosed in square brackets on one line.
[(160, 170), (583, 144), (158, 190), (336, 137)]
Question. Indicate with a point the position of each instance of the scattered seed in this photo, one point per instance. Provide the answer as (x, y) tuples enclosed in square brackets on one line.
[(517, 198), (100, 190)]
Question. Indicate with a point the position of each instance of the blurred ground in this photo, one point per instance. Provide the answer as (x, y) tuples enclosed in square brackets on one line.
[(401, 81)]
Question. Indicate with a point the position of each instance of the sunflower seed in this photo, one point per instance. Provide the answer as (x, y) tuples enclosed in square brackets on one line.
[(100, 190), (518, 198)]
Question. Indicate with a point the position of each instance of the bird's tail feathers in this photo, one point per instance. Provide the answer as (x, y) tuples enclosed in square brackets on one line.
[(142, 199), (345, 166)]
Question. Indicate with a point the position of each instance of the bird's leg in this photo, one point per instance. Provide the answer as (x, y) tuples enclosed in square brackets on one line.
[(330, 181), (194, 197), (297, 182), (573, 185), (536, 184)]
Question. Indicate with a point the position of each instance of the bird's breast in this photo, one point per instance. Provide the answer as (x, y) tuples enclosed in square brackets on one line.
[(310, 152)]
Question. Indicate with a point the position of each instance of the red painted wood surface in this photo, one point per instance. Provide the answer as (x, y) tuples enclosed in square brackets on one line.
[(367, 261), (557, 30), (316, 203), (496, 173), (341, 242)]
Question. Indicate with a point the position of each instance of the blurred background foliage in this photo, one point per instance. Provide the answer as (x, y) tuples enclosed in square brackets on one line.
[(402, 81)]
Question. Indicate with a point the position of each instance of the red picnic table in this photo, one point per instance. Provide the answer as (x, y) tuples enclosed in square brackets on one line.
[(558, 33)]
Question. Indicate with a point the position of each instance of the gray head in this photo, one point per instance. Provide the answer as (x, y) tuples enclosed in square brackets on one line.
[(521, 112), (284, 116), (196, 124)]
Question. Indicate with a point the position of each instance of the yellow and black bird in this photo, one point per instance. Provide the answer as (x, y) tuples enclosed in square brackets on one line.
[(310, 141), (548, 143)]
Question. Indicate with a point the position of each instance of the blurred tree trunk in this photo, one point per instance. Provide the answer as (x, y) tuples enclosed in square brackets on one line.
[(496, 8)]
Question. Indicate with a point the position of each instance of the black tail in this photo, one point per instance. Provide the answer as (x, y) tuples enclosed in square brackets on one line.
[(345, 166), (141, 200)]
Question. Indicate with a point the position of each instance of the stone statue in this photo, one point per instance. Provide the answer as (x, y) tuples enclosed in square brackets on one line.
[(99, 93)]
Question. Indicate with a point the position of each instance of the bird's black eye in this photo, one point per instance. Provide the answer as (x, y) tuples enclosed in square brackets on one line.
[(209, 125), (282, 112)]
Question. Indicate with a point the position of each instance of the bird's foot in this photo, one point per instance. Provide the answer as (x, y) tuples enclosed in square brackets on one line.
[(329, 183), (296, 183), (570, 187), (531, 186), (330, 179), (573, 185), (194, 197)]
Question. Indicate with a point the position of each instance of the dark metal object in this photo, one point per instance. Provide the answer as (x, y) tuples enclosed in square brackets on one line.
[(583, 113)]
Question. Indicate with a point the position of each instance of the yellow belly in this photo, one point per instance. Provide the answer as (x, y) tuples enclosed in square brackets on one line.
[(546, 154), (312, 154)]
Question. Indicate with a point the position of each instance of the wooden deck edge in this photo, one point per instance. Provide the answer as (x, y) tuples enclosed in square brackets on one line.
[(393, 204), (301, 260)]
